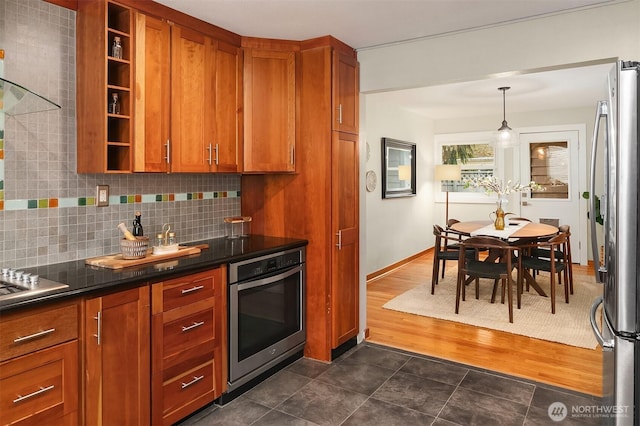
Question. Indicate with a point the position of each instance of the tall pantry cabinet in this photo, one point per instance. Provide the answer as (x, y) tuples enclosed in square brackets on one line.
[(320, 201)]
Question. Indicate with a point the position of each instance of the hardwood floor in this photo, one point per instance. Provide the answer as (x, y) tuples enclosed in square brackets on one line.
[(552, 363)]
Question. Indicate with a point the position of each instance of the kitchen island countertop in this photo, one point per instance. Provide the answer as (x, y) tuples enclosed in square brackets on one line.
[(84, 279)]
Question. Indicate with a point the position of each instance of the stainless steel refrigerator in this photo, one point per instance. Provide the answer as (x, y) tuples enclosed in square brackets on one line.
[(618, 329)]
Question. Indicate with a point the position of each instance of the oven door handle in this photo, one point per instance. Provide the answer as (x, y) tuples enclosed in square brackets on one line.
[(275, 278)]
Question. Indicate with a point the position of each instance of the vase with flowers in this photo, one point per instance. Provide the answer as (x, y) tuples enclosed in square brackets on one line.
[(492, 184)]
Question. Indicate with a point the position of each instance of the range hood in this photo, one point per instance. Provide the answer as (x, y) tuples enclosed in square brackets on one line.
[(17, 100)]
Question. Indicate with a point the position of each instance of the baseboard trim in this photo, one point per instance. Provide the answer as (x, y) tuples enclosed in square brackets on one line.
[(394, 266)]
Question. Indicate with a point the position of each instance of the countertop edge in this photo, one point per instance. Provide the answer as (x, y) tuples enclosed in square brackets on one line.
[(185, 266)]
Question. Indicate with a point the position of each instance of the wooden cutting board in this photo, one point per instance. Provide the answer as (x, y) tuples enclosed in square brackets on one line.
[(115, 261)]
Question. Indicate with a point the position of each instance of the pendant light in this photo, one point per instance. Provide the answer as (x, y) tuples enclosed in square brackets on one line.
[(506, 136)]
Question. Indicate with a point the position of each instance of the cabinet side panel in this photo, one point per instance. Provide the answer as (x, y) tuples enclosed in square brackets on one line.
[(91, 86), (313, 194)]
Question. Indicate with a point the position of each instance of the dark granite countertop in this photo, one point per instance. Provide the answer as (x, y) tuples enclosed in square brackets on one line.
[(83, 279)]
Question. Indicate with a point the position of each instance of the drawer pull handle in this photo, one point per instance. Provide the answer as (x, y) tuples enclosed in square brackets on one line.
[(34, 336), (192, 289), (192, 326), (195, 380), (32, 394)]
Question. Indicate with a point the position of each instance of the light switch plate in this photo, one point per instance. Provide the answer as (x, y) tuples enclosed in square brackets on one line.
[(102, 196)]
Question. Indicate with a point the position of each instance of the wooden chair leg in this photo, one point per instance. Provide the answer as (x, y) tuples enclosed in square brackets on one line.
[(570, 268), (552, 287), (495, 290), (477, 288), (519, 279), (566, 286), (444, 266), (509, 298), (434, 275), (459, 289)]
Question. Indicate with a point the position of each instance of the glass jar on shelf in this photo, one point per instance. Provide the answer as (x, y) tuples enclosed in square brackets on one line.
[(116, 48), (114, 104)]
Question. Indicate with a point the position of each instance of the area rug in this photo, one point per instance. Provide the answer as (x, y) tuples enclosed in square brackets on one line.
[(570, 324)]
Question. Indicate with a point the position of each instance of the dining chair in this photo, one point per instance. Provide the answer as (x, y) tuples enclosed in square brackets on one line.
[(563, 253), (446, 247), (470, 268), (556, 263)]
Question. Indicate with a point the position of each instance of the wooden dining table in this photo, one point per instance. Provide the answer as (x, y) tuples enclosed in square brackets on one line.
[(526, 231)]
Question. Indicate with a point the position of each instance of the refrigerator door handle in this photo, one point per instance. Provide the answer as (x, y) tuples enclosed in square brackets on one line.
[(607, 345), (602, 111)]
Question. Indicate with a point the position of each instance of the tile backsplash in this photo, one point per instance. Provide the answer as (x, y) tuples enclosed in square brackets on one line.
[(48, 212)]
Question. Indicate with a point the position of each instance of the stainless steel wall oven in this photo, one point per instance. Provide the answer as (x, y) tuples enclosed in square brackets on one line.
[(266, 313)]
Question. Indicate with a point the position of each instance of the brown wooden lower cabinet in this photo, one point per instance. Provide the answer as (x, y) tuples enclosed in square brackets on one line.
[(188, 322), (41, 387), (117, 354), (148, 355), (39, 374)]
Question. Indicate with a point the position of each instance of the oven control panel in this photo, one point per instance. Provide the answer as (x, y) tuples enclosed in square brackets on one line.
[(265, 265)]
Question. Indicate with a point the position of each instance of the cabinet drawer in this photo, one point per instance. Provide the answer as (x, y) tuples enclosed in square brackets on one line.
[(195, 385), (21, 334), (41, 385), (186, 290), (188, 331)]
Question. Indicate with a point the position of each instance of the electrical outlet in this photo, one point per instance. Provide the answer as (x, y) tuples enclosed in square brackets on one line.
[(102, 196)]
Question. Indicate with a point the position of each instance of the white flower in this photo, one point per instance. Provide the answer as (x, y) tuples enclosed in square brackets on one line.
[(492, 184)]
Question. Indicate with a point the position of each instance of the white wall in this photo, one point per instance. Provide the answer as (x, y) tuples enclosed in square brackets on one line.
[(397, 228)]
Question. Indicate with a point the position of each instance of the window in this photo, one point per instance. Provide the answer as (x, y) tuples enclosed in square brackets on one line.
[(549, 167), (475, 155)]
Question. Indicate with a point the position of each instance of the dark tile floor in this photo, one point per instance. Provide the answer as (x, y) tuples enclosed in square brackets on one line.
[(376, 385)]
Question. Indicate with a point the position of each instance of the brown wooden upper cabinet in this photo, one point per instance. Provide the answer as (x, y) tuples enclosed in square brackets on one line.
[(345, 93), (179, 93), (270, 110), (187, 101)]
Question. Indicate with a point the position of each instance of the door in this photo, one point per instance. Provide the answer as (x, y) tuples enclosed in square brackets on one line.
[(344, 219), (153, 94), (345, 93), (269, 111), (551, 160), (117, 358), (192, 101), (227, 140)]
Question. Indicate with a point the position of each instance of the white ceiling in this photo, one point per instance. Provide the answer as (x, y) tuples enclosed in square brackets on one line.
[(369, 23)]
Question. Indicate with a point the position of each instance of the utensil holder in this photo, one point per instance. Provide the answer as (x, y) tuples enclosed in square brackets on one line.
[(134, 249)]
